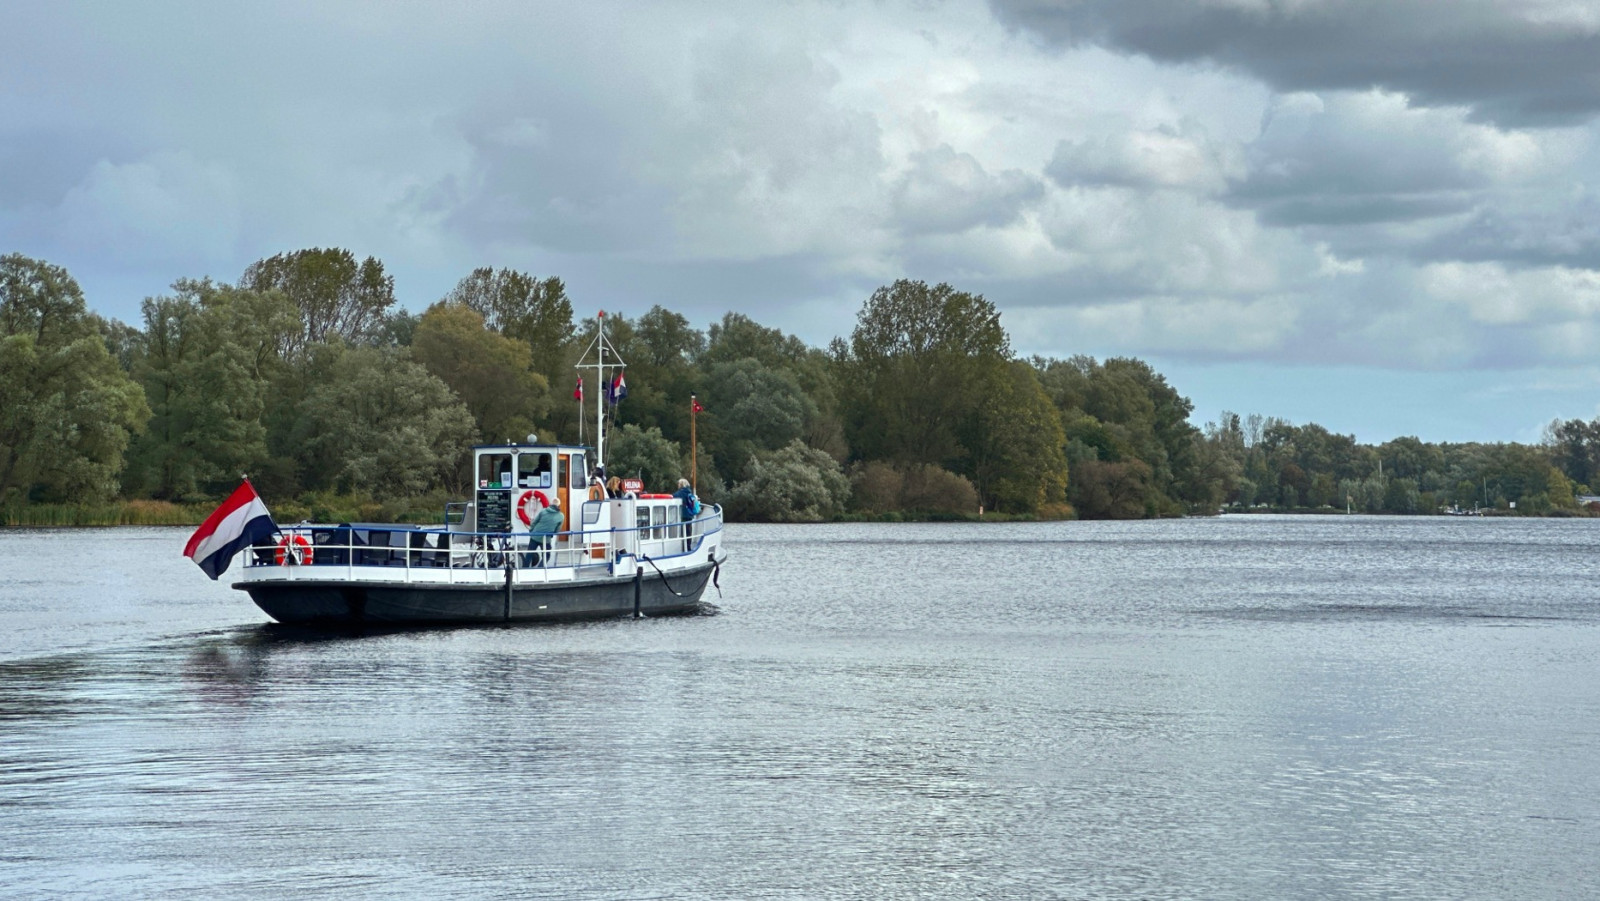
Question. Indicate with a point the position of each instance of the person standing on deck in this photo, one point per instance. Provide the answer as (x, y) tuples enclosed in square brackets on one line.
[(543, 529), (685, 496), (690, 508)]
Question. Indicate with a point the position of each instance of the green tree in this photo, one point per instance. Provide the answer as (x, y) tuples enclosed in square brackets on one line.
[(753, 408), (67, 408), (337, 296), (528, 309), (1124, 410), (919, 366), (877, 487), (1112, 490), (646, 454), (1018, 463), (660, 350), (207, 359), (379, 423), (492, 374)]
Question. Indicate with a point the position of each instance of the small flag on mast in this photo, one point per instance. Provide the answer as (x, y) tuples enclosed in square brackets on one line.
[(618, 389), (694, 405), (577, 393)]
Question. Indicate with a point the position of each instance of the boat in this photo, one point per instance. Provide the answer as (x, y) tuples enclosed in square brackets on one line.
[(629, 555)]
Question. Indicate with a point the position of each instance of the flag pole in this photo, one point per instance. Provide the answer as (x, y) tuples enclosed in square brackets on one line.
[(694, 447)]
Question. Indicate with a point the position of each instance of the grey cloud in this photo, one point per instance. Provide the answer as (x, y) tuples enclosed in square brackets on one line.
[(1361, 159), (1334, 209), (1510, 62), (1560, 235), (948, 192)]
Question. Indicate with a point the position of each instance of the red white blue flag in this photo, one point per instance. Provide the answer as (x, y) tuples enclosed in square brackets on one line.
[(618, 389), (241, 521)]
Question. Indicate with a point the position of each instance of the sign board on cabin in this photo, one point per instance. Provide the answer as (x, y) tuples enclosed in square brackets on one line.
[(494, 511), (634, 485)]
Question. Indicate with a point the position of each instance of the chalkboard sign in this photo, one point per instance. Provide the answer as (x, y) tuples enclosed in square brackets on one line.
[(494, 511)]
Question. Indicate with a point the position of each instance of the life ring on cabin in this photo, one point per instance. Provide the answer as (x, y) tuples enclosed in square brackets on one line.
[(293, 549), (526, 510)]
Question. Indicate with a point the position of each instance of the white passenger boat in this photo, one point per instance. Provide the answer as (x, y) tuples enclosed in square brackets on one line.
[(611, 556)]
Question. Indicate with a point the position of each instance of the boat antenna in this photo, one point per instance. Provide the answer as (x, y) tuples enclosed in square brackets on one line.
[(605, 357)]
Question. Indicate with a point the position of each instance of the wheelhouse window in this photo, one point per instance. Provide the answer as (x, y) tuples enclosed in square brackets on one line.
[(494, 470), (580, 473), (535, 470)]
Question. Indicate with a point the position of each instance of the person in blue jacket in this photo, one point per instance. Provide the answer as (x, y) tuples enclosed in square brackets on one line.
[(685, 496), (690, 507)]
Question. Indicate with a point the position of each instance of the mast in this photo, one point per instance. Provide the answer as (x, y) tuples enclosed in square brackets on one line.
[(600, 408), (599, 348)]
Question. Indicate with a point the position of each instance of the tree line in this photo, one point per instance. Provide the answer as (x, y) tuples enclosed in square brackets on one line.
[(308, 376)]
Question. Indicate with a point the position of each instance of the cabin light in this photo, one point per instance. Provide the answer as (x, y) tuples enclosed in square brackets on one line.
[(532, 438)]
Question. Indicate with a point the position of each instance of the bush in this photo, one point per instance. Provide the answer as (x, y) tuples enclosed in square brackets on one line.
[(878, 487), (794, 484)]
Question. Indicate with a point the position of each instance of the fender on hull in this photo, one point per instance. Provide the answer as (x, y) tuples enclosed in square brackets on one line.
[(335, 602)]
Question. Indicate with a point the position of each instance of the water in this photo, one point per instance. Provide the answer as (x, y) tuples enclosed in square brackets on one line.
[(1246, 707)]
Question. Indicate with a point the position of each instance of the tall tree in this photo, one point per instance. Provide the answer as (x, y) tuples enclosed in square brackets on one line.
[(67, 409), (919, 366), (1018, 462), (207, 361), (491, 373), (753, 408), (520, 306), (336, 296), (375, 421)]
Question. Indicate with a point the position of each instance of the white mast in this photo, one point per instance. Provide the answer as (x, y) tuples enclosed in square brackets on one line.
[(599, 348)]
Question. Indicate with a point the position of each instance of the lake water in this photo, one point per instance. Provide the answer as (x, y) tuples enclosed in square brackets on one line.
[(1244, 707)]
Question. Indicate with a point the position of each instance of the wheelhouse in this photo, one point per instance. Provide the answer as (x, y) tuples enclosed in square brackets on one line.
[(512, 482)]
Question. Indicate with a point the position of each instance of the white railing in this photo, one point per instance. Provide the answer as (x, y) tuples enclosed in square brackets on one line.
[(439, 555)]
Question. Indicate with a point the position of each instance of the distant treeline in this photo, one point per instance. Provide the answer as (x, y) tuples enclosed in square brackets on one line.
[(307, 376)]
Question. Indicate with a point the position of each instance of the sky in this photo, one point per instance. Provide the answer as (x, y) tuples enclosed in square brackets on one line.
[(1376, 215)]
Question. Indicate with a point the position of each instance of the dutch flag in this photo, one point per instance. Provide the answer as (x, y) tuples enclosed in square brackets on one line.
[(619, 388), (241, 521)]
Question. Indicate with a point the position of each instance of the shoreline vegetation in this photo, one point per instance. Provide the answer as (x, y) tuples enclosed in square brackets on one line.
[(163, 513), (345, 407)]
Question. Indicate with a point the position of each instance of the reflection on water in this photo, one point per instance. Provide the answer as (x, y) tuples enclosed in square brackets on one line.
[(1223, 709)]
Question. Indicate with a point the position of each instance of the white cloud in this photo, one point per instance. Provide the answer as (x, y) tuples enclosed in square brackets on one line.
[(1491, 294), (1182, 156)]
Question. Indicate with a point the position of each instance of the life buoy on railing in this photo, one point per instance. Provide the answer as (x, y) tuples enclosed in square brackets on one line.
[(529, 503), (293, 549)]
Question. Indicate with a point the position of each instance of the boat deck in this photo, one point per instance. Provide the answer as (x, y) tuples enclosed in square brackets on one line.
[(402, 555)]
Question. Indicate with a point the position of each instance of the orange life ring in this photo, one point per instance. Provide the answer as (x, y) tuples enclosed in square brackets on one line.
[(523, 503), (293, 549)]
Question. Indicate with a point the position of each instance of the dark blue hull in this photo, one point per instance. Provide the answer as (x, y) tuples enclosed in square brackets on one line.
[(305, 601)]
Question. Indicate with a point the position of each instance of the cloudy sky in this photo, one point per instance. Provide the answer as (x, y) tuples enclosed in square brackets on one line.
[(1378, 215)]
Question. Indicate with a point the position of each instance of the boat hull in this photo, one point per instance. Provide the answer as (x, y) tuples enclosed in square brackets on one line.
[(335, 602)]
